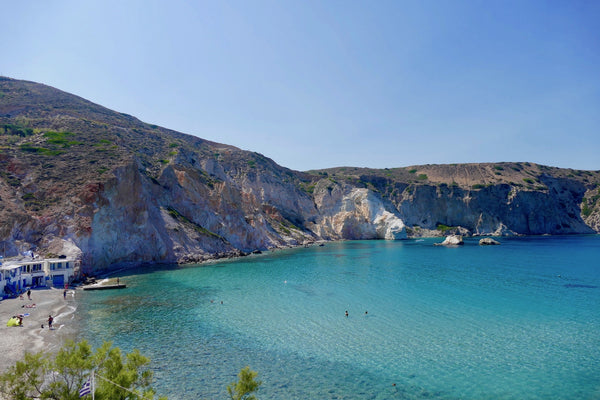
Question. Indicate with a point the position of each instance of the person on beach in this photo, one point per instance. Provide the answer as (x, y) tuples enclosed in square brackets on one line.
[(50, 320), (65, 294), (29, 294)]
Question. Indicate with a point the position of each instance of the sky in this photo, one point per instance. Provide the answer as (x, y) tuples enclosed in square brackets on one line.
[(328, 83)]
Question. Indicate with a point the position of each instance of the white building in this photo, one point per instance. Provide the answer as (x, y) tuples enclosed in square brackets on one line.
[(12, 278), (59, 271), (16, 275)]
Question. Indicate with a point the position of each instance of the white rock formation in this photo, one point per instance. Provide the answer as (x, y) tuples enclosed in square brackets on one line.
[(488, 241), (452, 240), (355, 213)]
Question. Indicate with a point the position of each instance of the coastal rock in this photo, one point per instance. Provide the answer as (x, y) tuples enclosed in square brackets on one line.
[(452, 240), (488, 241)]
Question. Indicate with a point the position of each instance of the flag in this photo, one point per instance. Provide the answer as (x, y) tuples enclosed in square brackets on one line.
[(86, 388)]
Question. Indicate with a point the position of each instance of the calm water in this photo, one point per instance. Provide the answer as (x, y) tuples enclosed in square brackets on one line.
[(516, 321)]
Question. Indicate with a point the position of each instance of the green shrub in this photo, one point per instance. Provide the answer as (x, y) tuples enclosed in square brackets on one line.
[(586, 211), (57, 135), (478, 186), (308, 188), (245, 386), (16, 130), (30, 148), (443, 228), (13, 181)]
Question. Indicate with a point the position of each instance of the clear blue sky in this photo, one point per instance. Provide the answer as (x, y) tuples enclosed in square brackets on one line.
[(316, 84)]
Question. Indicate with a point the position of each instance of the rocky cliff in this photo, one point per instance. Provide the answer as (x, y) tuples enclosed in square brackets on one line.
[(81, 180)]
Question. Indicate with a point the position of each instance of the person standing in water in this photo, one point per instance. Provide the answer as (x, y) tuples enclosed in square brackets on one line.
[(50, 320)]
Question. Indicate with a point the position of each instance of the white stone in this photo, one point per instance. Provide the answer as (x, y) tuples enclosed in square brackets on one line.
[(452, 240)]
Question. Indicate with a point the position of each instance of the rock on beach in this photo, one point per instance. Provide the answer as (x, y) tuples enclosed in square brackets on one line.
[(31, 337)]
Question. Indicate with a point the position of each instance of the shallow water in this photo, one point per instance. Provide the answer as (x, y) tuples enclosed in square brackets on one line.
[(515, 321)]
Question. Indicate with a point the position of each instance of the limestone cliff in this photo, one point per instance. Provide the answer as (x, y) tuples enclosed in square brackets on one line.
[(84, 181), (347, 212), (504, 199)]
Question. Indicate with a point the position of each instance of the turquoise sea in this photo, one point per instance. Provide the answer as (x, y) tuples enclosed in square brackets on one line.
[(515, 321)]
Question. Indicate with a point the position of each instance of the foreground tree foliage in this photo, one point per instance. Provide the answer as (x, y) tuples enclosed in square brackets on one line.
[(117, 376), (59, 377), (245, 386)]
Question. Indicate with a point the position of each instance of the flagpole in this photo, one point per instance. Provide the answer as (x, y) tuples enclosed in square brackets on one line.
[(93, 384)]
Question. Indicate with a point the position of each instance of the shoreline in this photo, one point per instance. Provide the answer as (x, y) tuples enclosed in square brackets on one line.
[(31, 337), (218, 257)]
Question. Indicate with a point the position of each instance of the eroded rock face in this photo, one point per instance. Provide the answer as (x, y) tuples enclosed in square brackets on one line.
[(180, 218), (497, 210), (136, 220), (347, 212)]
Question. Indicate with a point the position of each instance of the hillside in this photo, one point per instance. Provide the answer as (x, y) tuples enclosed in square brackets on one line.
[(79, 179)]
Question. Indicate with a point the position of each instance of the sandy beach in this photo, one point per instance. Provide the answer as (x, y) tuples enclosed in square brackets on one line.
[(31, 337)]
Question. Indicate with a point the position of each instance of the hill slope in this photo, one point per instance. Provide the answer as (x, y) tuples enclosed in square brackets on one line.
[(79, 179)]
